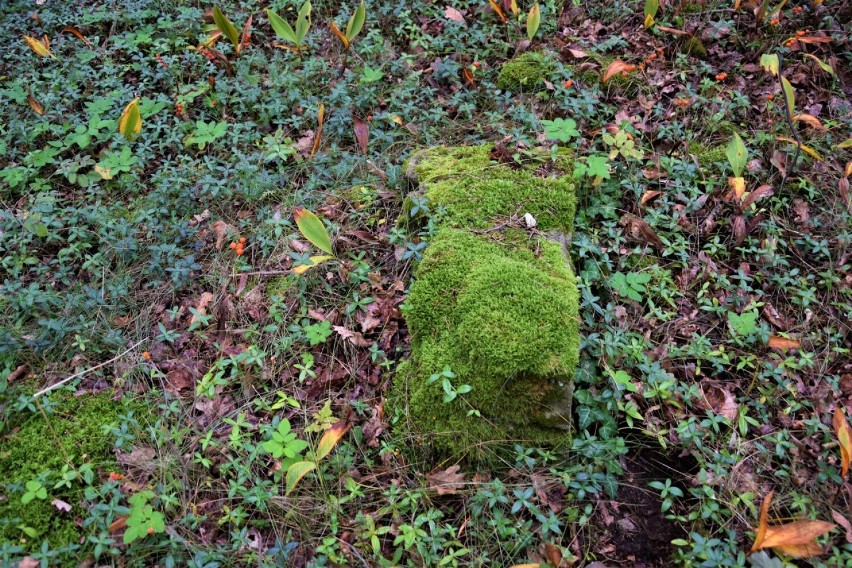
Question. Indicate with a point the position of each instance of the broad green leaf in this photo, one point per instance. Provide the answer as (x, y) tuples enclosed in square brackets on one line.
[(281, 27), (330, 439), (737, 154), (562, 129), (316, 260), (769, 61), (130, 121), (845, 144), (40, 48), (356, 22), (651, 7), (822, 64), (296, 472), (789, 95), (533, 20), (303, 22), (312, 228), (226, 27)]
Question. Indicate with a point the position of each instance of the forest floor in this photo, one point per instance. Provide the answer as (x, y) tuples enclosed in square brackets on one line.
[(154, 280)]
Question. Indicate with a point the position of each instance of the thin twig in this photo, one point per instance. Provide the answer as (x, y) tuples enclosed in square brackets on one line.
[(87, 371)]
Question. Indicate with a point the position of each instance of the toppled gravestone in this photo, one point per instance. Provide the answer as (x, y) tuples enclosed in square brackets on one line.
[(493, 303)]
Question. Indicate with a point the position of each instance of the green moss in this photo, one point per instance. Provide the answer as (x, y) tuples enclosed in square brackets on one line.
[(707, 156), (504, 319), (525, 73), (694, 47), (74, 433), (475, 192)]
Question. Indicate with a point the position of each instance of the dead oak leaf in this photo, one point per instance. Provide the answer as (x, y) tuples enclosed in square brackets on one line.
[(447, 481), (354, 337)]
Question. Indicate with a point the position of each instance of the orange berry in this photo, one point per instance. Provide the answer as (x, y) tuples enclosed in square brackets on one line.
[(150, 530), (233, 246), (146, 355), (213, 102), (770, 97), (476, 64), (242, 240), (652, 56), (114, 476), (624, 73), (568, 84), (721, 76), (775, 22), (797, 10), (369, 117)]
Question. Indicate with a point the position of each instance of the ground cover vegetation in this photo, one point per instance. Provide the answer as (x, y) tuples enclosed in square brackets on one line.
[(208, 243)]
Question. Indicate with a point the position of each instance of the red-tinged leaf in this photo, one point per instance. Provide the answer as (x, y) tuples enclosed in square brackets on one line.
[(244, 37), (118, 524), (759, 193), (318, 135), (577, 53), (35, 105), (739, 229), (76, 33), (339, 35), (843, 522), (312, 229), (447, 481), (296, 472), (497, 10), (844, 439), (778, 342), (615, 68), (468, 76), (330, 439), (362, 133), (454, 15)]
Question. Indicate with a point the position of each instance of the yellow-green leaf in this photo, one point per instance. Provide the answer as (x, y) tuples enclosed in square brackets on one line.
[(312, 228), (806, 149), (226, 26), (356, 22), (789, 95), (315, 260), (651, 7), (296, 472), (339, 34), (822, 64), (737, 154), (330, 439), (769, 61), (533, 20), (845, 144), (40, 48), (130, 121), (844, 438), (281, 27)]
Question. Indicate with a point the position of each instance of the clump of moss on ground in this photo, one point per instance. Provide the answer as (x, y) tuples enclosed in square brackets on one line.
[(73, 433), (474, 192), (707, 156), (525, 73), (498, 308)]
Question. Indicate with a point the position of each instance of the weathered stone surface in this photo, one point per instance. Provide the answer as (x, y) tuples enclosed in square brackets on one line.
[(494, 301)]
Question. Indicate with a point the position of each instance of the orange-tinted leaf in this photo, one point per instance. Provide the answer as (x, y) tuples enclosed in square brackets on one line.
[(795, 533), (809, 39), (804, 550), (339, 35), (76, 33), (40, 48), (615, 68), (118, 524), (760, 535), (844, 438), (810, 120), (778, 342), (737, 186), (499, 11), (296, 472), (649, 195), (35, 105), (759, 193), (318, 135), (468, 76), (330, 439)]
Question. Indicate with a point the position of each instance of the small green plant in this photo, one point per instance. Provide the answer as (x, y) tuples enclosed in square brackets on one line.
[(35, 490), (287, 33), (353, 27), (595, 167), (630, 285), (744, 324), (284, 443), (562, 129), (229, 30), (143, 519), (450, 392), (318, 332), (205, 132), (621, 144)]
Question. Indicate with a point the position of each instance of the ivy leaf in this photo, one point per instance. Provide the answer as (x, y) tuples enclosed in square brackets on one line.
[(598, 166), (562, 129)]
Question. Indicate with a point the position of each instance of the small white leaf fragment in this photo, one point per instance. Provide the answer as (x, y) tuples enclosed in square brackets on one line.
[(530, 221), (61, 505)]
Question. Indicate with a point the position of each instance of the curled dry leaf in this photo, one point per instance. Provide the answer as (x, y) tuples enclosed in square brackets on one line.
[(759, 193), (318, 134), (721, 402), (362, 133), (615, 68), (810, 120), (353, 337), (447, 481), (76, 33), (843, 522), (35, 105), (796, 539)]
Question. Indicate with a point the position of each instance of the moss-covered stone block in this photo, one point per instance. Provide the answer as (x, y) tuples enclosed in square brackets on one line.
[(525, 73), (71, 435), (495, 302)]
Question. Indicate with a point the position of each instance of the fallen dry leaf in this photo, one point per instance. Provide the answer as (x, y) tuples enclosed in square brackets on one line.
[(843, 522), (796, 539), (61, 505), (447, 481), (201, 307), (844, 438), (353, 337), (454, 15), (777, 342), (615, 68)]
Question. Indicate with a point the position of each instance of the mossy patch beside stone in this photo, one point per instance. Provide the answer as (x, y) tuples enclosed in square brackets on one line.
[(73, 432), (525, 73), (497, 305)]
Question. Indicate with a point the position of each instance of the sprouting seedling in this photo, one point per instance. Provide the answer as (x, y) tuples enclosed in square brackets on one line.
[(285, 31), (130, 121), (229, 30), (313, 229), (40, 47), (353, 27)]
